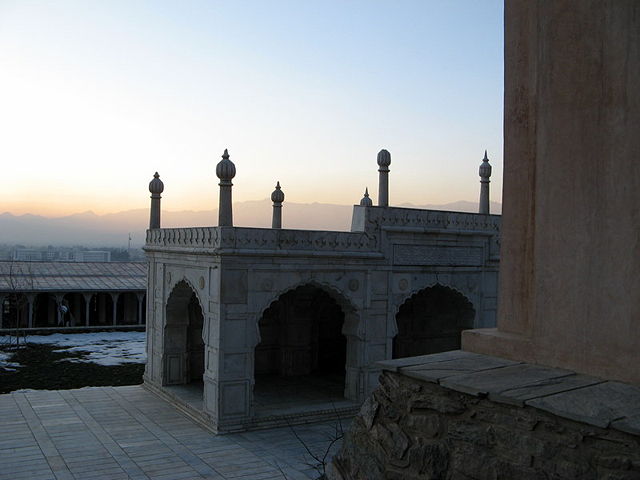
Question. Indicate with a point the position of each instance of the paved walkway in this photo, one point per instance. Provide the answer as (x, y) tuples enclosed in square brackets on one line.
[(113, 433)]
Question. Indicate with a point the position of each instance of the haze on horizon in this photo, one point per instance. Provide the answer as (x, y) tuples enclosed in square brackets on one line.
[(97, 96)]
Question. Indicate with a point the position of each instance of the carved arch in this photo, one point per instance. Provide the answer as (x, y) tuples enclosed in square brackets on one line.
[(417, 329), (185, 280), (351, 313)]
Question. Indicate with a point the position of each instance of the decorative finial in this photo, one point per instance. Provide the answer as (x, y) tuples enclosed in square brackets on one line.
[(384, 158), (485, 167), (278, 195), (156, 186), (485, 173), (366, 201), (225, 170)]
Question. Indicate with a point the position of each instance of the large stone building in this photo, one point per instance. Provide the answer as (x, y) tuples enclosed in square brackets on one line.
[(250, 327)]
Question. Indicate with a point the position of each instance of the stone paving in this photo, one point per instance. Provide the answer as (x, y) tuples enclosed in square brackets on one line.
[(113, 433)]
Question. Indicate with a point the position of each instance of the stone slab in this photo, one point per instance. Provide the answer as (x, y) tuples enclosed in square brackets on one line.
[(436, 371), (397, 364), (628, 424), (517, 383), (598, 405)]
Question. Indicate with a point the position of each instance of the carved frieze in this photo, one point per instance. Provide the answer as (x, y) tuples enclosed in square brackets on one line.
[(438, 255)]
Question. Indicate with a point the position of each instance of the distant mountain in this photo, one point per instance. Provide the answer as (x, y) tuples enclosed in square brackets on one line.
[(112, 230)]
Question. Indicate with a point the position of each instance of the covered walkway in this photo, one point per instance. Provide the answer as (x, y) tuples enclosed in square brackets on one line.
[(59, 295)]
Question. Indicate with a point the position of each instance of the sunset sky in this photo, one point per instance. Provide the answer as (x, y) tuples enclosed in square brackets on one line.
[(95, 96)]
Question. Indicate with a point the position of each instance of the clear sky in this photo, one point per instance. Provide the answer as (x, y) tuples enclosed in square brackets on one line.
[(96, 95)]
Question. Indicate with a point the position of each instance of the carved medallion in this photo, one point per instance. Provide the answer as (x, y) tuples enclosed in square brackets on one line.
[(354, 284), (403, 284), (168, 277), (201, 283)]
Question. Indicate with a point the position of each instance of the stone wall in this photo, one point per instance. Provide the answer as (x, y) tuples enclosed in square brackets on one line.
[(411, 429)]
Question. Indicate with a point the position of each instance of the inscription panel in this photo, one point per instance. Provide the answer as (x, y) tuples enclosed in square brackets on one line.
[(434, 255)]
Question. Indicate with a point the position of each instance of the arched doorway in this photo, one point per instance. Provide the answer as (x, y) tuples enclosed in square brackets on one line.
[(431, 321), (302, 352), (183, 342)]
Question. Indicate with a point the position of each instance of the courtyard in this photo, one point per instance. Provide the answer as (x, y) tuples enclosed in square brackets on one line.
[(128, 433)]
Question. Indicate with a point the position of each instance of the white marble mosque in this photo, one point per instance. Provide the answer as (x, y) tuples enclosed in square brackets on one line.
[(254, 327)]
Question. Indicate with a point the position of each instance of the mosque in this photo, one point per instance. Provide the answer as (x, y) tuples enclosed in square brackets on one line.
[(255, 327)]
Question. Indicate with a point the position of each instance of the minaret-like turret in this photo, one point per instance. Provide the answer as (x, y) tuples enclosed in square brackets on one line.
[(277, 197), (225, 170), (384, 160), (485, 173), (366, 201), (156, 187)]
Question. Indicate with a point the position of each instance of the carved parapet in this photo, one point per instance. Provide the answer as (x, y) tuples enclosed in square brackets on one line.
[(372, 219), (235, 240)]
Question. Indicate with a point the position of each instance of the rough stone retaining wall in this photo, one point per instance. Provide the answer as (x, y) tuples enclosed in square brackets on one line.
[(410, 429)]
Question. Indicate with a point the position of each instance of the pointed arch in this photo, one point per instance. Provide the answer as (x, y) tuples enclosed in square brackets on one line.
[(431, 321), (183, 340)]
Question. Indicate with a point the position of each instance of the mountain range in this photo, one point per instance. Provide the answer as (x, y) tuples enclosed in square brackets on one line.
[(112, 230)]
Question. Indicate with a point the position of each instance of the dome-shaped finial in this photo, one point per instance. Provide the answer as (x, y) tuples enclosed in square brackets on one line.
[(366, 201), (278, 195), (384, 158), (156, 186), (225, 170), (485, 167)]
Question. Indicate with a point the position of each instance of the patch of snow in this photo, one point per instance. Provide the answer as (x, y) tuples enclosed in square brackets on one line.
[(103, 348), (6, 365)]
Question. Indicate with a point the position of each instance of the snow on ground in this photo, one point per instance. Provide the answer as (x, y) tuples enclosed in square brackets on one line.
[(103, 348), (5, 364)]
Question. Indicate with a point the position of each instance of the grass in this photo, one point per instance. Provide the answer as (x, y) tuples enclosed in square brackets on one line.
[(41, 370)]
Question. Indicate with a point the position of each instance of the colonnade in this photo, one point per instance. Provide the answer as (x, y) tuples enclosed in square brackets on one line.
[(72, 309)]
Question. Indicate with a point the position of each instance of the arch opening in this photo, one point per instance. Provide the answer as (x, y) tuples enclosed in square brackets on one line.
[(302, 354), (183, 342), (431, 321), (74, 313)]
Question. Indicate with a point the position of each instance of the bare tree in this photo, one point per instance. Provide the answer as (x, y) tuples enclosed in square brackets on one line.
[(20, 281)]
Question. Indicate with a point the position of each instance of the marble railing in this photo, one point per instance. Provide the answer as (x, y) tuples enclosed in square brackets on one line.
[(371, 219), (239, 238)]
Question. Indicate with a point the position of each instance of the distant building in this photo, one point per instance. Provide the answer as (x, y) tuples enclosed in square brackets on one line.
[(27, 255)]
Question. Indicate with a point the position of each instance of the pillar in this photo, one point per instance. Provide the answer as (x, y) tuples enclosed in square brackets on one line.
[(60, 316), (30, 299), (277, 197), (384, 160), (140, 298), (225, 170), (87, 307), (114, 300), (485, 173), (156, 187)]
